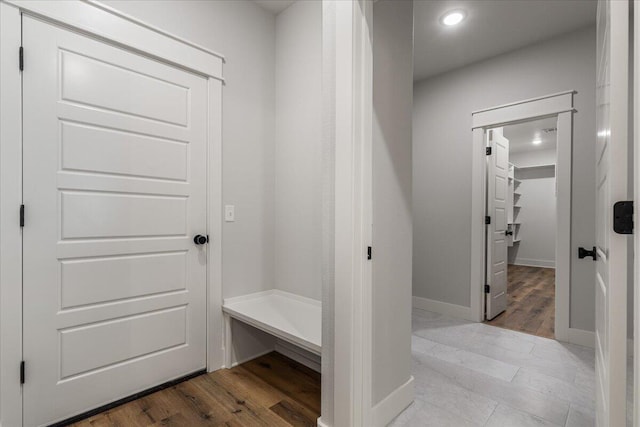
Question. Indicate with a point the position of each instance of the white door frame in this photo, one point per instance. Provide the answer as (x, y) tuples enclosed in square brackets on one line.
[(104, 23), (636, 197), (559, 105), (348, 118)]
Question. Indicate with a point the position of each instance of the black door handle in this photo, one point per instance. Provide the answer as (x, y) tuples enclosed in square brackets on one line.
[(199, 239), (508, 233), (583, 253)]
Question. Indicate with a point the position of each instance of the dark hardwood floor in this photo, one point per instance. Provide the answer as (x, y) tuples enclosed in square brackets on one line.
[(271, 390), (531, 301)]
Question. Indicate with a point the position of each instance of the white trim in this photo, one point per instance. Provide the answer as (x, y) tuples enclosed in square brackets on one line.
[(215, 321), (364, 94), (310, 360), (453, 310), (564, 254), (392, 405), (158, 30), (102, 21), (636, 236), (582, 337), (321, 423), (525, 101), (353, 124), (478, 226), (10, 233), (530, 262), (550, 105), (560, 105)]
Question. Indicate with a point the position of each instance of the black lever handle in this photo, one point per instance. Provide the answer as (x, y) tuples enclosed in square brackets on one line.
[(199, 239), (508, 233), (583, 253)]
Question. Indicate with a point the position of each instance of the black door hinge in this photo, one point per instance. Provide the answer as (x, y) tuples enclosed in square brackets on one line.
[(487, 289), (487, 220), (21, 215), (369, 252), (583, 253), (623, 217), (22, 372), (488, 151), (21, 58)]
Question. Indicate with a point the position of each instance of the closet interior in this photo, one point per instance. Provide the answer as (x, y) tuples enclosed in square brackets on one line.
[(285, 316), (525, 168), (531, 193)]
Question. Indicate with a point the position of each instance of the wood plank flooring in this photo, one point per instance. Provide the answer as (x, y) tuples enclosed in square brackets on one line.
[(531, 301), (271, 390)]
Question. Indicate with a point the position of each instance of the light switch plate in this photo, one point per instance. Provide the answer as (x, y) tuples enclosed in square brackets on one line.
[(229, 213)]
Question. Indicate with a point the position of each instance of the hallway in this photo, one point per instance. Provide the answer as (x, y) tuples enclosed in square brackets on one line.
[(471, 374)]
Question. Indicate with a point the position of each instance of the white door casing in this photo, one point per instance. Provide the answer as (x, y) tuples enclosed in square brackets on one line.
[(497, 183), (612, 257), (115, 189)]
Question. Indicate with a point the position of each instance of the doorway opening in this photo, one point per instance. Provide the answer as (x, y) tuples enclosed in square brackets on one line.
[(521, 258), (491, 231)]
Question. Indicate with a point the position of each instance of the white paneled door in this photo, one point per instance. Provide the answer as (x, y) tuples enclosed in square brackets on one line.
[(611, 247), (114, 191), (497, 182)]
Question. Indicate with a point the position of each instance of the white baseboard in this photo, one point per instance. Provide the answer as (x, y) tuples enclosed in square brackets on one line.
[(528, 262), (392, 405), (300, 355), (445, 308), (582, 337), (322, 423)]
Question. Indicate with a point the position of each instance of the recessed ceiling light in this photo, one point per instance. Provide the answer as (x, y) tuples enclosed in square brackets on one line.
[(536, 141), (453, 17)]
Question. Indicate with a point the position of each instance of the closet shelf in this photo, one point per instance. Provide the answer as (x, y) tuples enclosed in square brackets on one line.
[(290, 317), (544, 165)]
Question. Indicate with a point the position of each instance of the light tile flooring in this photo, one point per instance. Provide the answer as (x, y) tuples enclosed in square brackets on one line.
[(473, 374)]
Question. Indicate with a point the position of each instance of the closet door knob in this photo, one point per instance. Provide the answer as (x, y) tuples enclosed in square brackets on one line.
[(199, 239), (508, 233)]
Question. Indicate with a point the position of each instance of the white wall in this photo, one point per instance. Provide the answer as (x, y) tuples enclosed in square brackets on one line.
[(392, 220), (442, 161), (538, 210), (245, 34), (298, 150)]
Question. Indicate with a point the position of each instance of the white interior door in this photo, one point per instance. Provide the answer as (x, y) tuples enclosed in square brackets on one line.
[(497, 183), (114, 190), (611, 158)]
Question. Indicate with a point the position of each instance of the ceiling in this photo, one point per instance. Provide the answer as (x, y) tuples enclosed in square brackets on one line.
[(491, 27), (275, 6), (521, 135)]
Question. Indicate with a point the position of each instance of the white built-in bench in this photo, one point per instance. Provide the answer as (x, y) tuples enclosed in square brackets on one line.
[(289, 317)]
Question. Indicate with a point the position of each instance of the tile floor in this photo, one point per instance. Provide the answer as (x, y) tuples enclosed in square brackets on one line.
[(473, 374)]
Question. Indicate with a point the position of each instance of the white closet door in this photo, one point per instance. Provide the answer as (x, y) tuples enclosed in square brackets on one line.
[(115, 190), (612, 257), (497, 183)]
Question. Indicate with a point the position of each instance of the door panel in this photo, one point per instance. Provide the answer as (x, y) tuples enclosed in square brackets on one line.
[(114, 189), (497, 178), (611, 186)]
